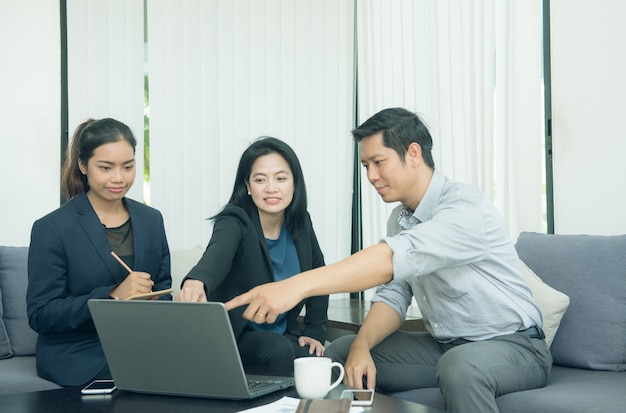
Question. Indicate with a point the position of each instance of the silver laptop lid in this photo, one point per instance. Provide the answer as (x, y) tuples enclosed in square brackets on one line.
[(166, 347)]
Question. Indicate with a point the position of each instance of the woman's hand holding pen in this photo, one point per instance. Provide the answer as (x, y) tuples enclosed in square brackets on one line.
[(137, 282)]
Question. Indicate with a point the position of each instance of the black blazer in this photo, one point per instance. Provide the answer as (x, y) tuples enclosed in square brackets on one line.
[(237, 259), (69, 262)]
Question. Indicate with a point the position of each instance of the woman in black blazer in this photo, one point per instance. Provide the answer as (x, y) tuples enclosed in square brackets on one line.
[(70, 260), (264, 234)]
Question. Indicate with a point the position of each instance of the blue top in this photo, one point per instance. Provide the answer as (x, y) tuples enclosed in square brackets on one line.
[(455, 257), (286, 264)]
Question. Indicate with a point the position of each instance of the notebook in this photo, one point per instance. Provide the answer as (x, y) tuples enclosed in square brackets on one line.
[(176, 348)]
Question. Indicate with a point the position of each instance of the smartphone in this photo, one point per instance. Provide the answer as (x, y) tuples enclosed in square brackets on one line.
[(359, 397), (99, 387)]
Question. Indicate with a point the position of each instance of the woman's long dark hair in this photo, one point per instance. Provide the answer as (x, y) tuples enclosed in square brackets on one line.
[(295, 213)]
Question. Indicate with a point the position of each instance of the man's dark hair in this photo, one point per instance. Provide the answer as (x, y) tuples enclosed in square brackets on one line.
[(400, 128)]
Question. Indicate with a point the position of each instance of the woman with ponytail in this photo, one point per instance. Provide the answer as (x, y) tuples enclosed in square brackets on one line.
[(70, 258)]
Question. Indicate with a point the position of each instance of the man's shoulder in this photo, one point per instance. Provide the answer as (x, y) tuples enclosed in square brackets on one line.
[(460, 191)]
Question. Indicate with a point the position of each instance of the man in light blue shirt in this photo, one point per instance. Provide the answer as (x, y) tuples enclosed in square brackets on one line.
[(453, 255), (448, 248)]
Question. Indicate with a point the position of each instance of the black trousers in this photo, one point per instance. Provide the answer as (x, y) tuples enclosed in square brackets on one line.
[(269, 353)]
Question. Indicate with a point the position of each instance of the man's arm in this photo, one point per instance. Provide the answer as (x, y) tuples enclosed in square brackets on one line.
[(381, 321), (365, 269)]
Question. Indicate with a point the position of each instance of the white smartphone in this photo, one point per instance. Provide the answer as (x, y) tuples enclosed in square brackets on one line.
[(99, 387), (359, 397)]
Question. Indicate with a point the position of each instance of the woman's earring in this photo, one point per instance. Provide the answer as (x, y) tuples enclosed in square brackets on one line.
[(248, 192)]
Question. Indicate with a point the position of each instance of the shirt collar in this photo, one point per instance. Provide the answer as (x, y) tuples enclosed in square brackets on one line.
[(424, 212)]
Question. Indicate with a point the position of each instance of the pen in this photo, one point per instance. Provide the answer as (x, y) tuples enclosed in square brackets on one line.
[(121, 262)]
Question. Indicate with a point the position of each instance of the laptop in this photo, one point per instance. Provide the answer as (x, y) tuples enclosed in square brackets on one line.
[(176, 348)]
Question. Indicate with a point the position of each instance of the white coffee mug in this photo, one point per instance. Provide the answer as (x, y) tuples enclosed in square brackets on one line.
[(313, 376)]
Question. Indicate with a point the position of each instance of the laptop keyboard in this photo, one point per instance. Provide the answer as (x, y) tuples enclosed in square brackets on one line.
[(256, 385)]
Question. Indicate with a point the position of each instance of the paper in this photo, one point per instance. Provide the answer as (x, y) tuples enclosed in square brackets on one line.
[(287, 405)]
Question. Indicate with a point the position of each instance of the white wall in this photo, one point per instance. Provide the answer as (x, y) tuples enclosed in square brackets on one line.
[(29, 115), (589, 111)]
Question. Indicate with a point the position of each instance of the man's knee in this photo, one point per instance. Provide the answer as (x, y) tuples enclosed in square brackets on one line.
[(457, 369), (338, 350), (465, 384)]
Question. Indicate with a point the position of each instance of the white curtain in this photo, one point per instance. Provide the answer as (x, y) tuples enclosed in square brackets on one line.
[(473, 71), (105, 67), (225, 72), (392, 71), (519, 133)]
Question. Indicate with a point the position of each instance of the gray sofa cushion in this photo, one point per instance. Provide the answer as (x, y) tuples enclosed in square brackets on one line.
[(591, 270), (568, 390), (5, 344), (13, 283), (19, 375)]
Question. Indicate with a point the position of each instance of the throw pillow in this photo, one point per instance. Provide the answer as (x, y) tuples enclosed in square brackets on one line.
[(590, 269), (13, 283), (551, 302), (183, 261), (5, 344)]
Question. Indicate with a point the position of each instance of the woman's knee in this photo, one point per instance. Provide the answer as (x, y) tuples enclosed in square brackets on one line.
[(278, 347), (274, 351)]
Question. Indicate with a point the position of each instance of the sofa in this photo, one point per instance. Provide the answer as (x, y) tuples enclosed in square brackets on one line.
[(580, 287), (18, 372), (17, 339), (579, 282)]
